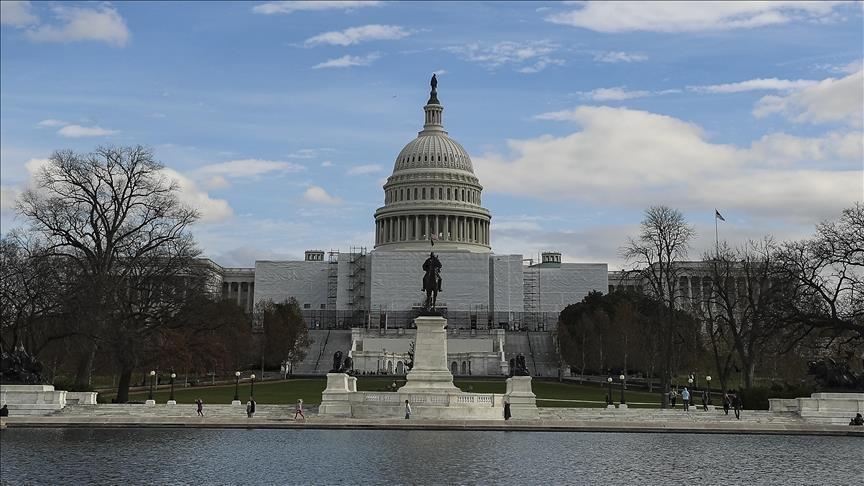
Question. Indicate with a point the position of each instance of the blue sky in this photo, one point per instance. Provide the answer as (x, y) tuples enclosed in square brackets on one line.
[(282, 120)]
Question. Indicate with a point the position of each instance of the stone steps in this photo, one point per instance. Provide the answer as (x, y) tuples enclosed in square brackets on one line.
[(179, 410), (649, 416)]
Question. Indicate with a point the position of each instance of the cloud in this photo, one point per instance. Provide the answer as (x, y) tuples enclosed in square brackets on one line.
[(249, 168), (613, 94), (8, 197), (761, 84), (17, 14), (210, 210), (617, 56), (309, 153), (51, 123), (348, 61), (327, 163), (317, 194), (528, 57), (356, 35), (638, 158), (689, 16), (364, 169), (102, 24), (830, 100), (288, 7), (77, 131)]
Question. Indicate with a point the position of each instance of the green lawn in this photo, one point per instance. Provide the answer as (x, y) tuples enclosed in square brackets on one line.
[(309, 389)]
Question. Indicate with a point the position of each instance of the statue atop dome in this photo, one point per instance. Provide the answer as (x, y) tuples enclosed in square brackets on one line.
[(433, 96)]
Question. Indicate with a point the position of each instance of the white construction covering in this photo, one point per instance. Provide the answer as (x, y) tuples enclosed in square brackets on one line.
[(279, 280), (397, 279)]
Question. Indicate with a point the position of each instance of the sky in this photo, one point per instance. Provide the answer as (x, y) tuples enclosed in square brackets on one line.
[(281, 121)]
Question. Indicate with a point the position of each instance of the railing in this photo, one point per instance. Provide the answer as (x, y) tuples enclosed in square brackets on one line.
[(437, 400)]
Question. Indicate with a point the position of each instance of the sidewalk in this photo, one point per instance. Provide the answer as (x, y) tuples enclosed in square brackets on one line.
[(626, 423)]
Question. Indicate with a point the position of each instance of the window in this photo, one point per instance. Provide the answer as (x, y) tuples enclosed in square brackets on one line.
[(424, 193), (448, 194), (307, 306), (323, 306), (440, 193)]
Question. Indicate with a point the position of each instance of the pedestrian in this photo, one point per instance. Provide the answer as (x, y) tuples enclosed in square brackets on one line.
[(4, 412), (727, 402), (673, 397), (705, 400), (299, 410), (407, 410), (685, 397), (250, 408), (507, 410), (737, 404), (856, 420), (200, 404)]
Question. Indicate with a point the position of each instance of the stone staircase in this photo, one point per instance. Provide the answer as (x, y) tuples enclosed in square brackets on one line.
[(645, 416), (187, 410)]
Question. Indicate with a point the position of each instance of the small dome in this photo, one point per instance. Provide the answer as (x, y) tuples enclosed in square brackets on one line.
[(433, 151)]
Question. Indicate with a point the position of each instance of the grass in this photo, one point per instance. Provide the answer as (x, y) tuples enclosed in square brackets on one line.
[(549, 393)]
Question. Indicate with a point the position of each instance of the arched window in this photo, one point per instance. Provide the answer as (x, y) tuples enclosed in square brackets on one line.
[(448, 194), (424, 192), (440, 193)]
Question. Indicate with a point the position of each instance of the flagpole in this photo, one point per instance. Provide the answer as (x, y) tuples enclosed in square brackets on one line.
[(716, 238)]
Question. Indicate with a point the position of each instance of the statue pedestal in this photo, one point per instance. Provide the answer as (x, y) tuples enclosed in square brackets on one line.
[(430, 373), (336, 398), (523, 402)]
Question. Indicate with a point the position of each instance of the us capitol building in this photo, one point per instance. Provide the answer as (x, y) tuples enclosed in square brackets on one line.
[(364, 302)]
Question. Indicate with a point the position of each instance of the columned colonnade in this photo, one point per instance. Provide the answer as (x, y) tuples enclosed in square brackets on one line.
[(397, 229)]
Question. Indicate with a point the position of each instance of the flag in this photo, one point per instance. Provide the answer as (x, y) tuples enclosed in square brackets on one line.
[(718, 215)]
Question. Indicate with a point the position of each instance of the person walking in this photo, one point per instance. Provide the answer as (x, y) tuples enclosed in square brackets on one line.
[(685, 397), (705, 400), (250, 408), (507, 410), (407, 410), (737, 404), (673, 397), (299, 410), (727, 402), (200, 406)]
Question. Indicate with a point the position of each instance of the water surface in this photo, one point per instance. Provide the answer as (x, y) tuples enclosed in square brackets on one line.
[(347, 457)]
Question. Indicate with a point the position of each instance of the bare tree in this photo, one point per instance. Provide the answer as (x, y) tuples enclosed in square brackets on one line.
[(739, 306), (664, 240), (115, 219), (826, 279)]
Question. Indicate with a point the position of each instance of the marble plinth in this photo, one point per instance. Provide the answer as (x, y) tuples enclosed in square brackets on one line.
[(523, 402), (430, 373), (32, 399)]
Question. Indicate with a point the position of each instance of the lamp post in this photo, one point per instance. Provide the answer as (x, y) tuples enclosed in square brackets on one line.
[(622, 389), (237, 386), (152, 379), (252, 386), (609, 394), (708, 379), (171, 400)]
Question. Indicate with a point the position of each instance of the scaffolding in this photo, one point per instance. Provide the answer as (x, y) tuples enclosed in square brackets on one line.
[(332, 280), (357, 278), (531, 294)]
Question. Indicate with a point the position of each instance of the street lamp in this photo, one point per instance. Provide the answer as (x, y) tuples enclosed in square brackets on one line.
[(173, 375), (236, 386), (622, 389), (708, 379), (609, 395), (252, 386), (152, 379)]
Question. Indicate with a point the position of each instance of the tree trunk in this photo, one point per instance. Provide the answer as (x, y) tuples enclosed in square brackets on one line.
[(83, 373), (123, 386)]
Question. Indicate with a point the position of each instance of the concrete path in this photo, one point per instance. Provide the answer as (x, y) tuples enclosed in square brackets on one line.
[(551, 419)]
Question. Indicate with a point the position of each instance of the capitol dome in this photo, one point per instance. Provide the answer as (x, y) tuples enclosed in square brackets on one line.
[(433, 194)]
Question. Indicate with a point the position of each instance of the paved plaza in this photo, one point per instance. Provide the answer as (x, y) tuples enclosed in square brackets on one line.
[(551, 419)]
